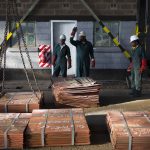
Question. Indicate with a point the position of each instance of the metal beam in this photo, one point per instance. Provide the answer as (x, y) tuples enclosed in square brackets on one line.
[(116, 42), (148, 31)]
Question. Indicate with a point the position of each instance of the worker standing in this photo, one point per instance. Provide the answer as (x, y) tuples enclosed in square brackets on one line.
[(59, 60), (85, 53), (137, 66)]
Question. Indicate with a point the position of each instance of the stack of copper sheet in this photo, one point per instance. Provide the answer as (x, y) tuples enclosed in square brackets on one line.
[(129, 130), (12, 127), (57, 128), (20, 102), (82, 132), (77, 92)]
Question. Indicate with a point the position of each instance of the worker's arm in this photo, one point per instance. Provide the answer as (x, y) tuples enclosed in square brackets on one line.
[(91, 51), (69, 58), (143, 61), (131, 64), (72, 41), (143, 53), (92, 55), (54, 57)]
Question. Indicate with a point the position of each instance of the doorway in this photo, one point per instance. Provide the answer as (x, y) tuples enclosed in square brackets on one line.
[(59, 27)]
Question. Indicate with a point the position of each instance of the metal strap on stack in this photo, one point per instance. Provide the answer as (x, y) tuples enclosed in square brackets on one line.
[(72, 127), (6, 132), (6, 105), (27, 104), (128, 130), (43, 130)]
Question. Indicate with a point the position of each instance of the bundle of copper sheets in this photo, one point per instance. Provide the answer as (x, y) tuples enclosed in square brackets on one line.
[(129, 130), (76, 93), (20, 102), (12, 127), (57, 128)]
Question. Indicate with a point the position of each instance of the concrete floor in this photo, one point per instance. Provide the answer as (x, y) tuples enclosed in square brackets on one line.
[(114, 96)]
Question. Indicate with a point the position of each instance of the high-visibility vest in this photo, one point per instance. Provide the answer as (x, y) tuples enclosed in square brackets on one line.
[(44, 56)]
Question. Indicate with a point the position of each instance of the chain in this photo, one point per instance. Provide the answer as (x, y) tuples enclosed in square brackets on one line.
[(21, 53), (3, 50), (23, 61), (4, 47), (26, 50)]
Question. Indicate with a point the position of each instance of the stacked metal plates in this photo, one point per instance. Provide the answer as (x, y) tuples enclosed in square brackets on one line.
[(82, 132), (129, 130), (57, 128), (76, 93), (20, 102), (12, 127)]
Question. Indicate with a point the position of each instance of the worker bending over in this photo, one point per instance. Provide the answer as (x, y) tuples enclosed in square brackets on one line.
[(85, 53), (59, 60), (137, 66)]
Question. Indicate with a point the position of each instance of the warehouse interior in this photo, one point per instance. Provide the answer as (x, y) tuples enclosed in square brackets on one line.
[(92, 113)]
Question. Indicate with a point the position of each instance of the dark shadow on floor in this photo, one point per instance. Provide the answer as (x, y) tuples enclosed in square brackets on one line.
[(109, 97), (98, 129)]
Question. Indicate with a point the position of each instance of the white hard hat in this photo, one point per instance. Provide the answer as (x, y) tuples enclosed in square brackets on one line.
[(62, 37), (133, 38), (82, 33)]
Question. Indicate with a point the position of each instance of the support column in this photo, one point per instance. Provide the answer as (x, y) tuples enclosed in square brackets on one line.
[(141, 6), (143, 19)]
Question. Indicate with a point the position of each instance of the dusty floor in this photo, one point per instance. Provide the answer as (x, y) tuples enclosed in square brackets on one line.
[(114, 96)]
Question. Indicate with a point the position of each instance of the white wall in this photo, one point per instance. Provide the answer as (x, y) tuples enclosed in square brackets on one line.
[(14, 59)]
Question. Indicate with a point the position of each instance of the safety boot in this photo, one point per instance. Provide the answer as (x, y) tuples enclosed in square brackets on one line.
[(137, 93), (133, 91)]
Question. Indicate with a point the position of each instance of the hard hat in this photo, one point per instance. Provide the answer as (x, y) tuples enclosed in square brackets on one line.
[(62, 37), (133, 38), (82, 33)]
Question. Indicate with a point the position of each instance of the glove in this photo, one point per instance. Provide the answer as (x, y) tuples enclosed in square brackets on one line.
[(53, 60), (74, 30), (130, 67), (93, 63), (69, 63), (143, 65)]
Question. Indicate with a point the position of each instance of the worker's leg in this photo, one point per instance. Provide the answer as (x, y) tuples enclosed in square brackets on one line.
[(138, 81), (79, 68), (63, 70), (132, 82), (86, 69), (56, 71)]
